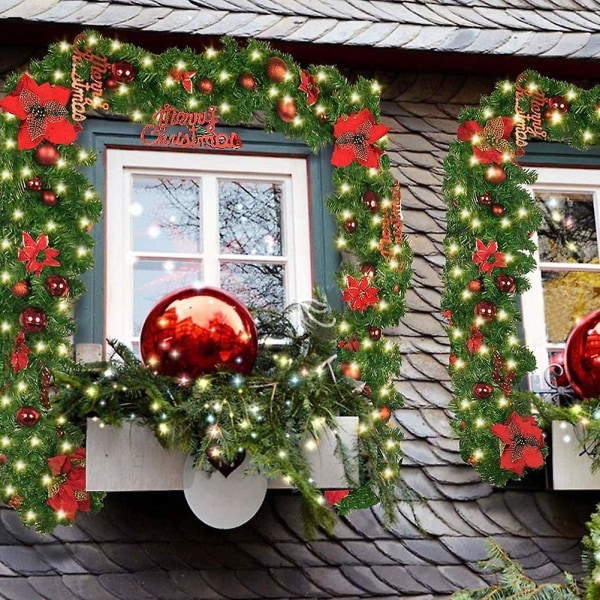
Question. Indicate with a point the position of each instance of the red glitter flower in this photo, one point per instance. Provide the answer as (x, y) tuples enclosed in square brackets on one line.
[(490, 143), (355, 140), (67, 492), (42, 108), (19, 359), (333, 497), (184, 77), (475, 340), (308, 85), (358, 294), (523, 441), (31, 251), (488, 257)]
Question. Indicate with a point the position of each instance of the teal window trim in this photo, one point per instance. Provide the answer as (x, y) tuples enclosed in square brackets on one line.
[(99, 134), (554, 154)]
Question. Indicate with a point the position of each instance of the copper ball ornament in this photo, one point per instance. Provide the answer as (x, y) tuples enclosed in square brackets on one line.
[(27, 416), (370, 201), (247, 81), (368, 269), (57, 286), (286, 109), (49, 198), (206, 85), (351, 225), (34, 184), (375, 333), (558, 103), (33, 320), (194, 331), (111, 84), (385, 413), (486, 310), (506, 284), (276, 69), (475, 286), (582, 356), (21, 289), (497, 210), (485, 199), (495, 174), (482, 390), (46, 155), (351, 370), (122, 71)]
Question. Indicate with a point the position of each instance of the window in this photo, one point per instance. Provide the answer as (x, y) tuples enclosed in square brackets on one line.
[(566, 283)]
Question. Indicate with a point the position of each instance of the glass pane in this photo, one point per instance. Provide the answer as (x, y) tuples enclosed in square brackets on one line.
[(257, 286), (568, 230), (165, 214), (250, 217), (154, 279), (567, 298)]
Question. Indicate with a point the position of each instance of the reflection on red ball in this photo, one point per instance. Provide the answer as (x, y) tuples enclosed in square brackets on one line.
[(582, 356), (194, 331)]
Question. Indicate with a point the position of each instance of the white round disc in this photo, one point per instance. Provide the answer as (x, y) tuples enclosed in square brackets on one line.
[(223, 502)]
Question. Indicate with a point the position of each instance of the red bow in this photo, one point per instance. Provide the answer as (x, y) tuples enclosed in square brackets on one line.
[(19, 359), (67, 492), (184, 77)]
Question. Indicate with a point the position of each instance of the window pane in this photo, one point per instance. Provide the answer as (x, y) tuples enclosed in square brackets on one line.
[(568, 229), (250, 217), (256, 286), (165, 214), (154, 279), (568, 297)]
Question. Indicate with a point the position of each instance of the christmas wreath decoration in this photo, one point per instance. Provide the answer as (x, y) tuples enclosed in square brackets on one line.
[(48, 208), (489, 252)]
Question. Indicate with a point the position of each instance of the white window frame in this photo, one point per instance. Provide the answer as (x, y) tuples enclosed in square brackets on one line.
[(122, 165), (553, 179)]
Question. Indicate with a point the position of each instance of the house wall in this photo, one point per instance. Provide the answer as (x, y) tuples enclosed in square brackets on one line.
[(148, 545)]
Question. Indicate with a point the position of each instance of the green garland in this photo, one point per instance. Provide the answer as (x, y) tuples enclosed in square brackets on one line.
[(241, 80), (488, 254)]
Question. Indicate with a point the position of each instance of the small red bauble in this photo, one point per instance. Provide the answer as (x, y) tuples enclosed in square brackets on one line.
[(485, 199), (247, 81), (582, 356), (111, 84), (375, 333), (506, 284), (34, 184), (385, 412), (558, 103), (49, 198), (351, 370), (368, 269), (495, 174), (475, 285), (194, 331), (206, 85), (497, 210), (486, 310), (122, 71), (27, 416), (21, 289), (57, 286), (286, 109), (452, 359), (46, 155), (370, 201), (323, 118), (33, 320), (351, 225), (482, 390), (276, 69), (3, 459)]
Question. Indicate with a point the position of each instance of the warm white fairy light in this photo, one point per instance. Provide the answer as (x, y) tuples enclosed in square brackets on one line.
[(58, 75), (163, 428), (310, 445), (375, 87), (211, 52), (18, 214), (225, 107), (224, 76), (147, 60)]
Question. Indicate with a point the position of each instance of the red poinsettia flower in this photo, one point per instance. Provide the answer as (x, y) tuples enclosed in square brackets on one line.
[(42, 108), (523, 441), (352, 345), (308, 85), (333, 497), (355, 140), (447, 314), (359, 294), (491, 142), (67, 491), (36, 254), (184, 77), (475, 340), (487, 257), (19, 359)]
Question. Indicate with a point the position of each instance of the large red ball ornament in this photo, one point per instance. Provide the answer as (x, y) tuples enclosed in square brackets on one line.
[(57, 286), (49, 198), (485, 199), (506, 284), (495, 174), (370, 201), (27, 416), (286, 109), (34, 184), (122, 71), (368, 269), (46, 155), (582, 356), (558, 103), (33, 320), (276, 69), (482, 390), (486, 310), (194, 331)]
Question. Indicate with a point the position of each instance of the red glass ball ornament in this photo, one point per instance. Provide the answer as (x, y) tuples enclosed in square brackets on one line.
[(582, 356), (247, 81), (49, 198), (370, 201), (27, 416), (485, 199), (57, 286), (351, 225), (46, 155), (3, 459), (350, 369), (33, 320), (482, 390), (475, 285), (486, 310), (375, 333), (194, 331), (368, 269), (323, 118), (21, 289), (34, 184), (286, 109), (506, 284), (495, 174), (122, 71), (276, 69), (558, 369), (111, 84), (452, 359), (385, 413), (558, 103), (497, 210), (206, 85)]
